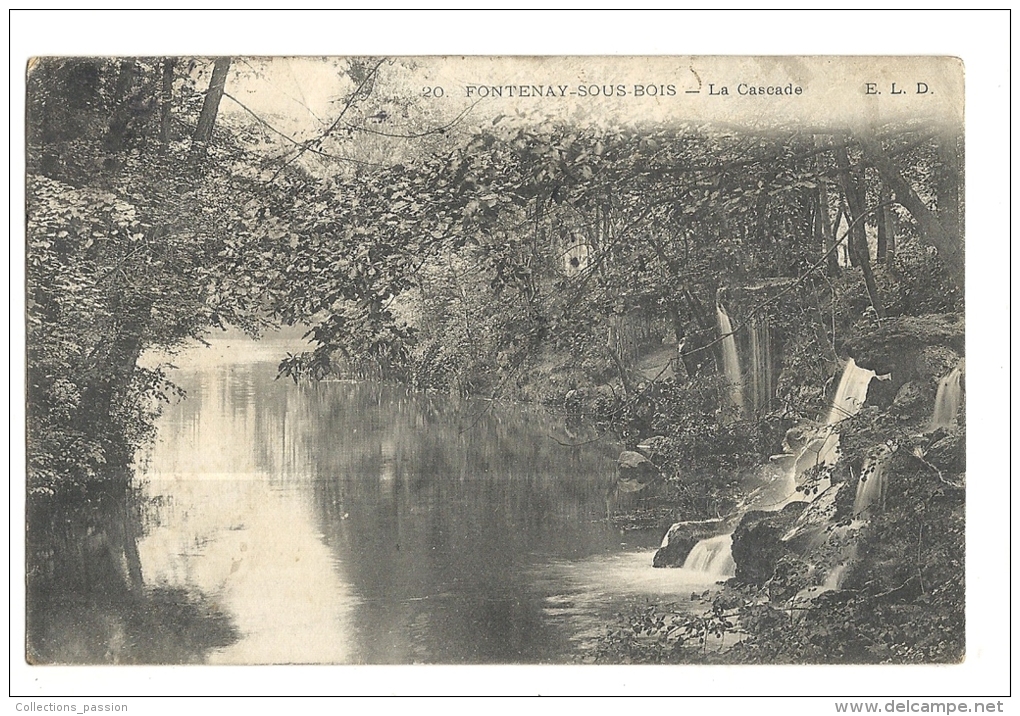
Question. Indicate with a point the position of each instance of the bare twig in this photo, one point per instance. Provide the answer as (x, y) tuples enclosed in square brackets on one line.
[(303, 145), (938, 473), (307, 146), (413, 135)]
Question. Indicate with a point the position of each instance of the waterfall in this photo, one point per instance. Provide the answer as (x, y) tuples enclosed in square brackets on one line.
[(752, 391), (947, 400), (812, 444), (762, 382), (731, 364), (713, 557), (871, 485), (852, 391), (824, 450), (821, 446), (834, 579)]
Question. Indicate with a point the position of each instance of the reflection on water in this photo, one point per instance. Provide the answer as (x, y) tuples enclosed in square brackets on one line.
[(358, 523), (86, 599)]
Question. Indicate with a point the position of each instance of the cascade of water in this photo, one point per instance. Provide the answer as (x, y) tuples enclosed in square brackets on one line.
[(821, 447), (822, 451), (947, 399), (871, 485), (851, 393), (762, 383), (731, 362), (834, 579), (713, 556)]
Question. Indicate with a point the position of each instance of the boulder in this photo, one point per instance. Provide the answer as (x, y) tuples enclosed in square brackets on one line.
[(898, 343), (914, 399), (758, 542), (948, 454), (635, 472), (634, 461), (907, 348), (809, 529), (935, 362), (801, 434), (680, 540)]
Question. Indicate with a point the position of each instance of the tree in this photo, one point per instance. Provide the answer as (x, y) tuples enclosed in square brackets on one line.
[(860, 254), (124, 249), (950, 247), (166, 98), (211, 105)]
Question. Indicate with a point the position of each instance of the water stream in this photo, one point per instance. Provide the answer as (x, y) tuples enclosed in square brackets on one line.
[(356, 523), (713, 557), (948, 399), (731, 365), (761, 371), (818, 446)]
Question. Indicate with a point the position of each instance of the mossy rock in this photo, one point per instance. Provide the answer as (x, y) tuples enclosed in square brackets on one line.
[(680, 540), (930, 330), (935, 362), (907, 348), (914, 397), (896, 344), (948, 454), (758, 542)]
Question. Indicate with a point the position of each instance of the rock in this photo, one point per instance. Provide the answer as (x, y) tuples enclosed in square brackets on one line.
[(908, 348), (758, 542), (635, 472), (913, 398), (654, 446), (681, 538), (844, 501), (676, 545), (883, 349), (935, 362), (801, 434), (831, 507), (634, 461), (948, 454)]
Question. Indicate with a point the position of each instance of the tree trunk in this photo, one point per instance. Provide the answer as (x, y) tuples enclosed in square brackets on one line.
[(949, 246), (889, 218), (948, 185), (211, 105), (858, 239), (120, 113), (854, 205), (611, 340), (125, 74), (824, 233), (883, 226), (465, 305), (706, 321), (833, 245), (111, 389), (130, 534), (166, 97)]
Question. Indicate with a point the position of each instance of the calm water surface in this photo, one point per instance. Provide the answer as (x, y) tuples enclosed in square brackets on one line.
[(361, 523)]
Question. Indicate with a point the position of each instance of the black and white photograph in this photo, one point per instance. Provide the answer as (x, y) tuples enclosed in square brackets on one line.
[(399, 360)]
